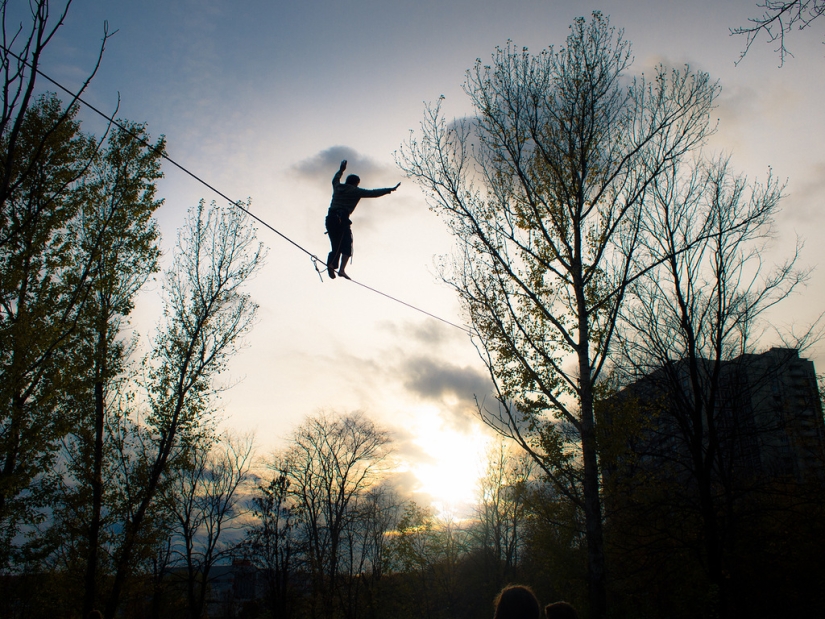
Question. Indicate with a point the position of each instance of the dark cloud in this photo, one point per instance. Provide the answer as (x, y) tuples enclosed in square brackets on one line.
[(451, 387), (462, 417), (407, 485), (431, 333), (434, 379), (323, 165)]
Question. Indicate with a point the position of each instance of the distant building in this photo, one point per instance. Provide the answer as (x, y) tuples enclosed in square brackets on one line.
[(780, 393), (230, 586), (766, 419)]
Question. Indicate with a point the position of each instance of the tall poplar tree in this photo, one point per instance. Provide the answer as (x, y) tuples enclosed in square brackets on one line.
[(42, 293), (116, 233)]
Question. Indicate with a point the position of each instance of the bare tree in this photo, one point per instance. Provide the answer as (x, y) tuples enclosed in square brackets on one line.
[(373, 515), (331, 462), (543, 188), (502, 511), (161, 563), (411, 553), (20, 55), (203, 497), (778, 19), (206, 313)]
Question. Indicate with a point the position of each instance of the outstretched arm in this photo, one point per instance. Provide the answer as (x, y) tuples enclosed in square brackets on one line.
[(376, 193)]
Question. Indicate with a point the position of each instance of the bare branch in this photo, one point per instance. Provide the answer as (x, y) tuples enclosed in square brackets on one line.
[(778, 19)]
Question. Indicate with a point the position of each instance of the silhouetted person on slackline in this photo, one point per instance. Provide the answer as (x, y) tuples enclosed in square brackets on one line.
[(345, 197)]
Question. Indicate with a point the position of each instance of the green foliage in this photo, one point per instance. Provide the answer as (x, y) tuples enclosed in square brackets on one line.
[(88, 438), (78, 240), (40, 302)]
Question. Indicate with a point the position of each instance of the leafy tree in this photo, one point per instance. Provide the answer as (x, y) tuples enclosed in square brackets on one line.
[(43, 161), (544, 188), (116, 227), (41, 297), (80, 242), (114, 232)]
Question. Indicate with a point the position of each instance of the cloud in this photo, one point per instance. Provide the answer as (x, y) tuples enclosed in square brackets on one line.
[(405, 447), (423, 376), (806, 196), (321, 166), (431, 333), (736, 106), (406, 484), (434, 379)]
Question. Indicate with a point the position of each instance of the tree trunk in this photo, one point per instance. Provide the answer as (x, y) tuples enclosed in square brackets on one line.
[(90, 596)]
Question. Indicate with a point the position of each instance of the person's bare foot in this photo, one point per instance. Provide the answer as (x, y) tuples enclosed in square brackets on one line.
[(344, 275)]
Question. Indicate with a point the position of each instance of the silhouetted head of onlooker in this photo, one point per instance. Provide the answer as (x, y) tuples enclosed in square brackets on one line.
[(353, 179), (94, 614), (560, 610), (517, 602)]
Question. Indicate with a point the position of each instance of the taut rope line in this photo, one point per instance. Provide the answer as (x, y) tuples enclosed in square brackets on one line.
[(315, 259)]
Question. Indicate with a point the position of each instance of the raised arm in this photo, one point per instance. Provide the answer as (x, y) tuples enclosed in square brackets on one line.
[(336, 180)]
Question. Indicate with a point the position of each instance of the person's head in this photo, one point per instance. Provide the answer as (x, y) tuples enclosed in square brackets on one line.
[(353, 179), (516, 602), (560, 610)]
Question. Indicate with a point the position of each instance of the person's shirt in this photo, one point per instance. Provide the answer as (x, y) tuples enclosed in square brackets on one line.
[(345, 197)]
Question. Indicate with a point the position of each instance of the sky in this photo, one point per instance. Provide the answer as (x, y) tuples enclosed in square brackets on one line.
[(263, 98)]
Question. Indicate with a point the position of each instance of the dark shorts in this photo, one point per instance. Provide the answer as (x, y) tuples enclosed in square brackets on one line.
[(340, 232)]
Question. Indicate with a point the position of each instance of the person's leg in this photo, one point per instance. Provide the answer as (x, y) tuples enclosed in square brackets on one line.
[(332, 263), (334, 230), (344, 260), (346, 250)]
